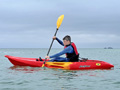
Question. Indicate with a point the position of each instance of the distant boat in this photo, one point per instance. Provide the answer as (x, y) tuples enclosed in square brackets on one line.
[(108, 48)]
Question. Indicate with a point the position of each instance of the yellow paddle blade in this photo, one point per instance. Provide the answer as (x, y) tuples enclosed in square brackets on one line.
[(59, 21), (43, 65)]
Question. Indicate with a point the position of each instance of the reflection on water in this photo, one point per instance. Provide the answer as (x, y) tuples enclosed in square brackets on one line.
[(67, 74), (26, 69)]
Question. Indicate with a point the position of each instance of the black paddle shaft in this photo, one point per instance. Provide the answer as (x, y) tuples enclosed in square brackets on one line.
[(51, 45)]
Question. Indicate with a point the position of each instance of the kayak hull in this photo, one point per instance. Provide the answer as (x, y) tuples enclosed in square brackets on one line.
[(83, 65)]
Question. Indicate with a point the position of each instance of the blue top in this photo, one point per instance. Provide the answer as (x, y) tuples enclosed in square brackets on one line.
[(68, 49)]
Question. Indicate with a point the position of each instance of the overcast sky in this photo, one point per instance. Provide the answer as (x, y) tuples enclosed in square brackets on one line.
[(32, 23)]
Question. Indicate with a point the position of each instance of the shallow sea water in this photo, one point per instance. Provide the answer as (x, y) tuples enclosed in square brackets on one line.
[(29, 78)]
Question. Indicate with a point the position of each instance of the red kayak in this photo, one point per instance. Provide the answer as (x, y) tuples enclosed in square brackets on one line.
[(81, 65)]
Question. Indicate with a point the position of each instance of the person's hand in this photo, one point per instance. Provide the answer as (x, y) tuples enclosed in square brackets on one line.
[(47, 57), (54, 37)]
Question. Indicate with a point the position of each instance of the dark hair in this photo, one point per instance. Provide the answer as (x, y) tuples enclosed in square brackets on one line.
[(67, 38)]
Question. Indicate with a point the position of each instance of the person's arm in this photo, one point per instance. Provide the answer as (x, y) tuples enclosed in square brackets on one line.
[(60, 42), (69, 49)]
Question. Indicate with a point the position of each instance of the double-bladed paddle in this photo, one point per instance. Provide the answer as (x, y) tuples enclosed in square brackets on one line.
[(59, 22)]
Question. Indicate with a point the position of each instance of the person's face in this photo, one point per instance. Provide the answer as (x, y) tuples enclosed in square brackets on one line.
[(65, 42)]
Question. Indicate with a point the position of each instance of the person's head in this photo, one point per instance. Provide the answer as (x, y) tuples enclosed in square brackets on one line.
[(67, 40)]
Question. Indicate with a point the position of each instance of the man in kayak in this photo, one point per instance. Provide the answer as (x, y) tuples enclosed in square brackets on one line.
[(69, 49)]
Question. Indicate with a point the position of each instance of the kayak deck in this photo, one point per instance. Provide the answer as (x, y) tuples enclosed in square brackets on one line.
[(81, 65)]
